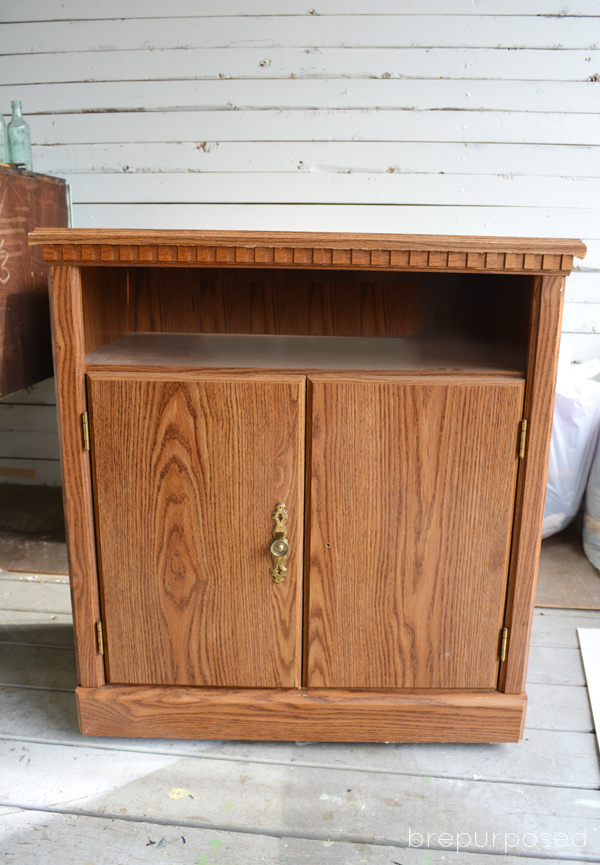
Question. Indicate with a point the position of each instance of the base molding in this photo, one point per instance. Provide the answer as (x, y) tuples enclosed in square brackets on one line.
[(320, 715)]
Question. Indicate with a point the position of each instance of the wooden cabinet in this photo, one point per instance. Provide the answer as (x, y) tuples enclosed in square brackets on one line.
[(377, 407), (27, 200)]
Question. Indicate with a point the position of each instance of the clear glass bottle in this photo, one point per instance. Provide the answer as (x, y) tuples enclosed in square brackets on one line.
[(3, 141), (19, 140)]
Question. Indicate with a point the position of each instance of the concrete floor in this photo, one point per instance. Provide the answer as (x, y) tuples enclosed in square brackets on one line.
[(73, 800)]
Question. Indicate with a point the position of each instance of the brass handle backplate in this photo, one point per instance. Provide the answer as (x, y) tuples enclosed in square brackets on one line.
[(279, 547)]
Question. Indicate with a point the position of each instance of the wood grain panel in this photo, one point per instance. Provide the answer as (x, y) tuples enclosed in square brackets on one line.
[(335, 249), (539, 404), (187, 473), (105, 304), (26, 201), (412, 496), (69, 360), (289, 715), (324, 303)]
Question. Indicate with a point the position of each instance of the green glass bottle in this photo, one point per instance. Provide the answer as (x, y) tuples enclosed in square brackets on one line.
[(3, 142), (19, 140)]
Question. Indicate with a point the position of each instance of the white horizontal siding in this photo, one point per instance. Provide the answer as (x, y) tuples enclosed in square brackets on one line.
[(474, 118), (246, 95), (583, 287), (31, 471), (29, 448), (326, 125), (37, 445), (304, 30), (582, 317), (323, 186), (584, 347), (275, 157), (260, 63), (41, 394), (42, 10), (536, 222), (19, 417)]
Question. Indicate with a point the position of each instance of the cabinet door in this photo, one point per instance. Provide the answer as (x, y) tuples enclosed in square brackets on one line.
[(412, 494), (187, 472)]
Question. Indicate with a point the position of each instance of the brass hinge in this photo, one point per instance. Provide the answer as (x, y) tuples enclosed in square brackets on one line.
[(85, 423), (503, 645), (523, 439), (99, 638)]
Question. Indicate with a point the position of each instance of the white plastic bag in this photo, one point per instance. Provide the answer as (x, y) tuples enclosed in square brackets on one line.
[(591, 518), (574, 436)]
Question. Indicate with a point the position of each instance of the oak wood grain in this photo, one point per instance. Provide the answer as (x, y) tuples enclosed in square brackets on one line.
[(69, 360), (305, 249), (412, 496), (329, 303), (26, 200), (539, 404), (315, 714), (410, 490), (187, 474), (105, 305)]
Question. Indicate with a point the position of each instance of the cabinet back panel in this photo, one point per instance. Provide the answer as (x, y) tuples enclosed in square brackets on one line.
[(412, 491), (331, 303), (186, 476)]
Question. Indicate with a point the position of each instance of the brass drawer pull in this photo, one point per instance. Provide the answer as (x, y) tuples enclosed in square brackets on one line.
[(279, 547)]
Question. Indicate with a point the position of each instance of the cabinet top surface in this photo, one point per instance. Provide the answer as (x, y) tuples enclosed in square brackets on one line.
[(302, 249), (11, 172)]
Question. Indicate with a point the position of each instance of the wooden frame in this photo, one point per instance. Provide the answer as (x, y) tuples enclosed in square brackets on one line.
[(301, 714), (81, 324)]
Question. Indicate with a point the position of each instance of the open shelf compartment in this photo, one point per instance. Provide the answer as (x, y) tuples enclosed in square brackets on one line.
[(306, 320)]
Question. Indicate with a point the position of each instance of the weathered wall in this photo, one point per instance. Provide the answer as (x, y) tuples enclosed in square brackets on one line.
[(450, 116)]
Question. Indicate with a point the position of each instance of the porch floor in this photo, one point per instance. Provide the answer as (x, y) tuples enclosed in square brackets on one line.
[(70, 799)]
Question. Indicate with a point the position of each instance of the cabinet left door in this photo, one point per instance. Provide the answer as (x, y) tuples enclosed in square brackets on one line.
[(187, 471)]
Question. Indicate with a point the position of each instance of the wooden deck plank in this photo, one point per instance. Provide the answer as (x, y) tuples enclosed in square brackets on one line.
[(561, 631), (564, 611), (555, 666), (548, 782), (558, 707), (33, 577), (543, 757), (72, 839), (48, 597), (36, 629), (290, 800)]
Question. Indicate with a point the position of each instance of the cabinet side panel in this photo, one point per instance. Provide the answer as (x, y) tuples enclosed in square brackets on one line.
[(412, 498), (539, 405), (187, 474), (105, 304), (69, 358)]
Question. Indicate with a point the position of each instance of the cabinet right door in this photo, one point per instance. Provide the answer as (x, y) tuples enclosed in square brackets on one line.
[(412, 489)]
